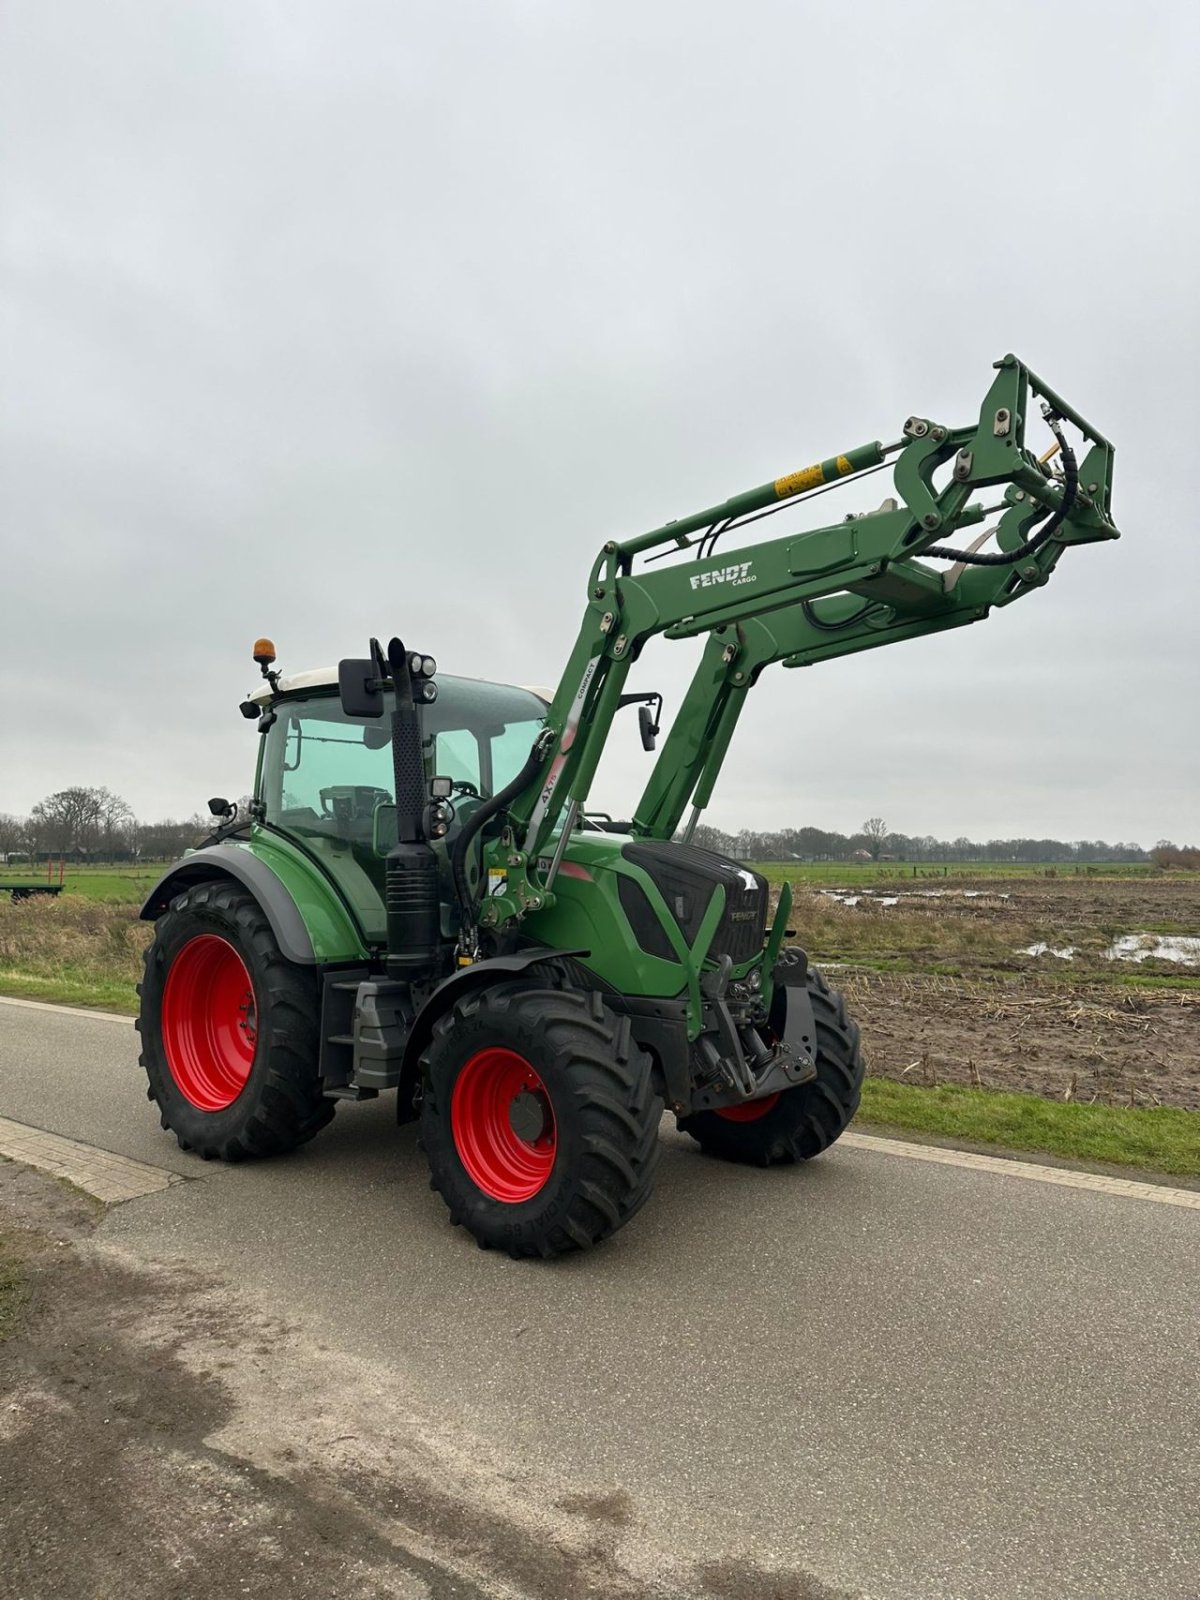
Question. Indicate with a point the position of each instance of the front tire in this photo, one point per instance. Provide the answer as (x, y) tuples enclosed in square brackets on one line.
[(230, 1029), (539, 1118), (799, 1123)]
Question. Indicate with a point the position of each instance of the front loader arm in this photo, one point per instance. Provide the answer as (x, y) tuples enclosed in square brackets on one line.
[(801, 598), (694, 750)]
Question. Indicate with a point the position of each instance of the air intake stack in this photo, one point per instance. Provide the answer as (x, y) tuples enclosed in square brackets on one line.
[(413, 911)]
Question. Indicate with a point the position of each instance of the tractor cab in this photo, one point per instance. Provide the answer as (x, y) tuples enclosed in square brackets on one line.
[(325, 775)]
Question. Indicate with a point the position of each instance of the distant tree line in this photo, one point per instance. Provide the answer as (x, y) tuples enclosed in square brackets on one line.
[(1168, 855), (875, 841), (90, 824), (93, 824)]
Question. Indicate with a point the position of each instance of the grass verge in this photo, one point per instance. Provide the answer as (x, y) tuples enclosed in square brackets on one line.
[(1152, 1138), (72, 952), (66, 989)]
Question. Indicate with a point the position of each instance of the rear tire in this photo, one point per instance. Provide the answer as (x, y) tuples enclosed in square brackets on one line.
[(798, 1123), (230, 1029), (539, 1118)]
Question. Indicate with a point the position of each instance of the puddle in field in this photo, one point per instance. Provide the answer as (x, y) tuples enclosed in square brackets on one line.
[(845, 898), (966, 894), (1155, 946), (1044, 949)]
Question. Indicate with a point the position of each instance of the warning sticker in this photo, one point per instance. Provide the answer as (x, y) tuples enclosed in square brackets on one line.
[(497, 880), (808, 478)]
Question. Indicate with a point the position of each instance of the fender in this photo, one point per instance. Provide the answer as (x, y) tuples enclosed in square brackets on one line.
[(449, 992), (219, 861)]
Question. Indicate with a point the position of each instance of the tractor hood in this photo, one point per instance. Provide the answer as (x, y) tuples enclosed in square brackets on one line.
[(640, 905)]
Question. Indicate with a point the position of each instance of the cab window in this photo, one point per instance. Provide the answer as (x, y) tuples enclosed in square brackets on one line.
[(327, 774)]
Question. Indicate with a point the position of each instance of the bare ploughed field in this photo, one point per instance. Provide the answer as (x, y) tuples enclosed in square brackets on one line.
[(1080, 988)]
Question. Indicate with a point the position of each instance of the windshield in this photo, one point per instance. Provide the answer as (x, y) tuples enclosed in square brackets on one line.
[(327, 774)]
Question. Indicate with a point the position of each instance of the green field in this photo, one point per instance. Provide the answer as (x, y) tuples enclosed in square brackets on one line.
[(117, 884)]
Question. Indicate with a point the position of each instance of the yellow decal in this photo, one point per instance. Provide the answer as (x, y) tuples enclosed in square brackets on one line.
[(843, 466), (497, 880), (809, 478)]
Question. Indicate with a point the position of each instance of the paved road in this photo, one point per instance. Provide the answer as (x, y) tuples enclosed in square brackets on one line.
[(909, 1380)]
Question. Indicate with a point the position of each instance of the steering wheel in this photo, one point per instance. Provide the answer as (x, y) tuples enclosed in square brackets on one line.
[(463, 787), (346, 802)]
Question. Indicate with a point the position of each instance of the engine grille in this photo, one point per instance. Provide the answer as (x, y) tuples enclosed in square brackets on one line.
[(685, 877)]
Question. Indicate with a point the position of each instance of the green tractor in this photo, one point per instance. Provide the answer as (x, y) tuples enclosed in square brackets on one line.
[(417, 897)]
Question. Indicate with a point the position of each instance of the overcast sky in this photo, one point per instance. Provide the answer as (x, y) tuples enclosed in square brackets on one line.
[(324, 320)]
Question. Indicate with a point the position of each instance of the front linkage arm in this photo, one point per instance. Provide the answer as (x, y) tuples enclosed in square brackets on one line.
[(760, 603)]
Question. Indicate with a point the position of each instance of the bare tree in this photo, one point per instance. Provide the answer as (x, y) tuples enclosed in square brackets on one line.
[(875, 831), (117, 823), (75, 821), (13, 835), (162, 841)]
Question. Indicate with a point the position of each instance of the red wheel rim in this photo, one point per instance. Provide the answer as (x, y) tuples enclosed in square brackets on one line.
[(209, 1022), (508, 1162), (750, 1110)]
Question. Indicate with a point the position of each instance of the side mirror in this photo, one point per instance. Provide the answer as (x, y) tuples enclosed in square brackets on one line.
[(220, 807), (650, 708), (359, 688)]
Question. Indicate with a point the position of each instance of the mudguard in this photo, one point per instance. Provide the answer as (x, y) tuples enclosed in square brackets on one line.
[(219, 861)]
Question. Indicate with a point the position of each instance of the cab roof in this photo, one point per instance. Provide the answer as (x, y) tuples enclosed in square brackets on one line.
[(327, 677)]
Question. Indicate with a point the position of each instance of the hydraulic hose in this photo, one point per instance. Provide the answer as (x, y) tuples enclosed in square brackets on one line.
[(1006, 558), (480, 817), (814, 621)]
